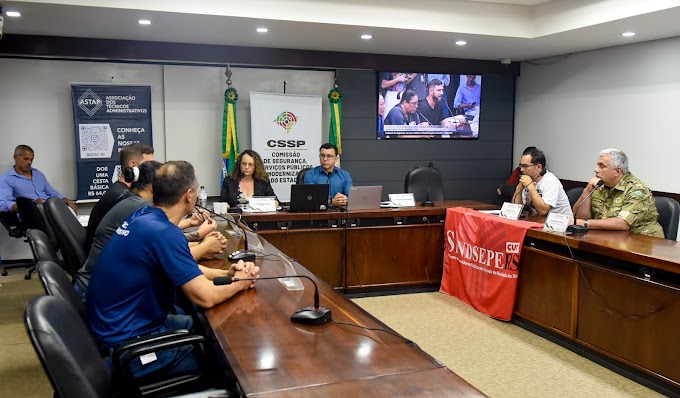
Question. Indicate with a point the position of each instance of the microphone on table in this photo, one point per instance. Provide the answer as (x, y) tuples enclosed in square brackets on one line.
[(313, 316), (427, 201), (580, 229), (245, 254)]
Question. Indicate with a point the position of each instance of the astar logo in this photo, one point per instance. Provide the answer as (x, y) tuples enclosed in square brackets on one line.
[(89, 102), (286, 120)]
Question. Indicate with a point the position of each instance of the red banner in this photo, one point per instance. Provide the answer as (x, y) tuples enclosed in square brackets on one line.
[(481, 260)]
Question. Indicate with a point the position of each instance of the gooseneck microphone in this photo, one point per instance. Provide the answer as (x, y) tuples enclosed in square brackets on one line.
[(423, 116), (427, 201), (313, 316), (580, 229), (244, 254)]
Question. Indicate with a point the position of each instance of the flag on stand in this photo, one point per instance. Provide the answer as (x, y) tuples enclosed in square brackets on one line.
[(335, 131), (229, 138)]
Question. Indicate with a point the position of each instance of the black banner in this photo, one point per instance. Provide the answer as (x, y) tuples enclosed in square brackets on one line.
[(107, 118)]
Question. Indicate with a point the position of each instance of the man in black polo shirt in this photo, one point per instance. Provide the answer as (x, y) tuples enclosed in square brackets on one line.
[(130, 156), (431, 108)]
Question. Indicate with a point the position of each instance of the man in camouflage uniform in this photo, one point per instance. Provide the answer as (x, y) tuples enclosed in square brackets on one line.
[(623, 203)]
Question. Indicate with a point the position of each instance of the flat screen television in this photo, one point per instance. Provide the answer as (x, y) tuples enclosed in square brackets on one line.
[(428, 105)]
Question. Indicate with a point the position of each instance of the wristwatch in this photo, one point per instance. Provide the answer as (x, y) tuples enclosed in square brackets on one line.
[(585, 223)]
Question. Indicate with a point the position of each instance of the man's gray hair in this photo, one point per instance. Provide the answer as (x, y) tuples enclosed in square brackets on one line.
[(618, 159), (21, 148)]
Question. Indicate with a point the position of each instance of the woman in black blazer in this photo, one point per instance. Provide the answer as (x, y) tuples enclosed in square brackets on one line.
[(248, 178)]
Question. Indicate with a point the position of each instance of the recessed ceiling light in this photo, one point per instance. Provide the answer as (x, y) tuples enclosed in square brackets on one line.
[(628, 34), (262, 30), (366, 37), (461, 43), (13, 13), (144, 22)]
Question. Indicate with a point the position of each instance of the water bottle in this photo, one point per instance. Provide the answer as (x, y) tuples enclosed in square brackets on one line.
[(202, 197)]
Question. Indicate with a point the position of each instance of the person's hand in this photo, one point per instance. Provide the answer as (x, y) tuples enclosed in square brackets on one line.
[(215, 242), (525, 180), (245, 270), (40, 200), (339, 199), (498, 191), (592, 184), (198, 218), (402, 78), (460, 119), (70, 204), (208, 226)]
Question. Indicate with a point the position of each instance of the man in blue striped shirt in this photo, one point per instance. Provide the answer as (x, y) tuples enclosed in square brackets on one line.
[(339, 180), (22, 180)]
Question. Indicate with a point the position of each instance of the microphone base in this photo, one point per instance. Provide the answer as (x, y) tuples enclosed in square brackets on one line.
[(311, 316), (244, 255), (577, 229), (427, 203)]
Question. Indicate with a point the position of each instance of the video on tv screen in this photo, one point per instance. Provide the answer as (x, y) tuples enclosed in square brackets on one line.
[(428, 105)]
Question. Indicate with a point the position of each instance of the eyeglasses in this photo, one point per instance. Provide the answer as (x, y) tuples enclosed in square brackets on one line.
[(526, 166), (413, 103), (322, 156), (247, 165)]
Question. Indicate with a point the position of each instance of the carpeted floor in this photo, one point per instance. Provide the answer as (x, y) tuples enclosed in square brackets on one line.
[(20, 372), (499, 358)]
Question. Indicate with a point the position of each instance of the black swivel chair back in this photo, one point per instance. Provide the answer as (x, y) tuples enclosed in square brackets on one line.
[(33, 216), (416, 182), (669, 215), (70, 234), (56, 283), (41, 246), (574, 194), (66, 350), (300, 179)]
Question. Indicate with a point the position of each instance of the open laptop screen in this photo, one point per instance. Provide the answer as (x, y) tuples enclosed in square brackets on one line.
[(309, 197)]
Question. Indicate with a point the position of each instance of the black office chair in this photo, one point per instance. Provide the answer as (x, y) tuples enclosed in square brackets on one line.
[(16, 229), (41, 247), (669, 215), (56, 283), (574, 194), (74, 365), (300, 179), (10, 220), (417, 181), (70, 234), (33, 216)]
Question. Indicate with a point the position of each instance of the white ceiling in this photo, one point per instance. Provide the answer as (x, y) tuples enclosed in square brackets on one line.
[(493, 29)]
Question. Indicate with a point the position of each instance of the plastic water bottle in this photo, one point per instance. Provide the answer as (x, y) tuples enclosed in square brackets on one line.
[(202, 197)]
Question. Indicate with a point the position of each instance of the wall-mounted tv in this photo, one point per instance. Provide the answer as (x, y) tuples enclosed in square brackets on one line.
[(428, 105)]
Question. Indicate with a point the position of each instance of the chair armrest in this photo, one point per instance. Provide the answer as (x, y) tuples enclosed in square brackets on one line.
[(126, 352)]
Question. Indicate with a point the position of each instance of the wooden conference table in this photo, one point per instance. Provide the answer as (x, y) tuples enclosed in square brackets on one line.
[(272, 357), (602, 301), (620, 297), (364, 250)]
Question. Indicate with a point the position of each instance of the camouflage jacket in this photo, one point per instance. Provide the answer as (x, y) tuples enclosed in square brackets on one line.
[(631, 201)]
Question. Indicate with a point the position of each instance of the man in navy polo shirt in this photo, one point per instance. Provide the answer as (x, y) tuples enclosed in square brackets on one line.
[(339, 180), (132, 288)]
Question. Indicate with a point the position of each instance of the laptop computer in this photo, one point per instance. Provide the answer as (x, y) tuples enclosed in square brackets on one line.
[(362, 198), (309, 197)]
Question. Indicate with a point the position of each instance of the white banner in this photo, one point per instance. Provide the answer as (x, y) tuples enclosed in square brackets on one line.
[(286, 132)]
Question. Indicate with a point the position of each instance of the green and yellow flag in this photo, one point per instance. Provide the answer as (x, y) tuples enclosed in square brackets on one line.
[(229, 138), (335, 131)]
